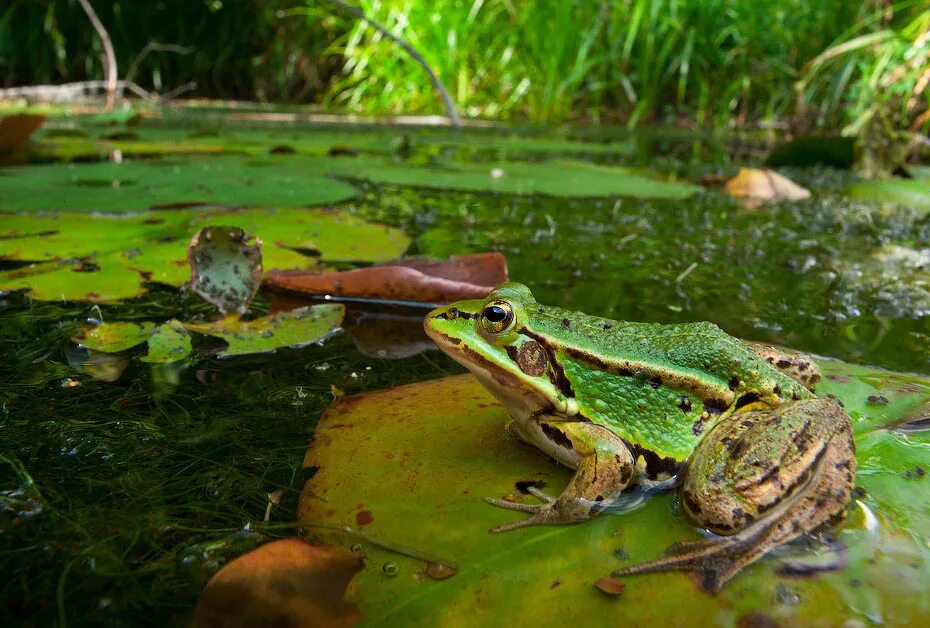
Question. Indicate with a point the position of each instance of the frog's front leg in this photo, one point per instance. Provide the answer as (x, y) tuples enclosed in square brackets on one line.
[(760, 479), (604, 468)]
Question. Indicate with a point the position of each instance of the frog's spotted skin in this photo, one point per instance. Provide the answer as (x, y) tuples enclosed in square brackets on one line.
[(761, 459)]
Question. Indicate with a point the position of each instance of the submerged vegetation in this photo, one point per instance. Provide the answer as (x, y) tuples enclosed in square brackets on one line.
[(822, 63)]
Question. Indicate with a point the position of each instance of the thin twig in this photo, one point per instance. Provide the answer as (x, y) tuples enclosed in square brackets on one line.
[(109, 55), (154, 47), (451, 111), (177, 91)]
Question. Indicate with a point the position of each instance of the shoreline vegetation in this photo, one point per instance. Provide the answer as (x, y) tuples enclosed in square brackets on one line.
[(823, 65)]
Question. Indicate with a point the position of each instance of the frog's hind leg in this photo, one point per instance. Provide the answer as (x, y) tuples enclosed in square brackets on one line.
[(798, 366), (758, 480)]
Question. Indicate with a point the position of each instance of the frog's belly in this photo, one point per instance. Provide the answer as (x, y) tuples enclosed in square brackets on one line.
[(534, 432)]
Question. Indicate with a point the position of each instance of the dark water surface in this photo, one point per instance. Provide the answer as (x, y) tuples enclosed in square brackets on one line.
[(121, 499)]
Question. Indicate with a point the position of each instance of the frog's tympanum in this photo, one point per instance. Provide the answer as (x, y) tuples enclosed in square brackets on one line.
[(759, 458)]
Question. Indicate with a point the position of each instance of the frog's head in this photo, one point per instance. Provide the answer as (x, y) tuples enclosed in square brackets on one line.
[(493, 337)]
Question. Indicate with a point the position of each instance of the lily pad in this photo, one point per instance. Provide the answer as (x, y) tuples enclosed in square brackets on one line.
[(907, 192), (294, 328), (115, 337), (432, 450), (136, 185), (567, 178), (109, 257), (226, 267), (168, 343)]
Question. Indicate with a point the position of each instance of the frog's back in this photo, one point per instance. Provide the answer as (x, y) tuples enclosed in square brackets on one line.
[(693, 356)]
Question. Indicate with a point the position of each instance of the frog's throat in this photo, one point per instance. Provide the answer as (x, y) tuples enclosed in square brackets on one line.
[(524, 400)]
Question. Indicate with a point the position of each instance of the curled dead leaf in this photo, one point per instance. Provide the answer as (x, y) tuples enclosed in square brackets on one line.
[(420, 280), (16, 129), (283, 583), (756, 186)]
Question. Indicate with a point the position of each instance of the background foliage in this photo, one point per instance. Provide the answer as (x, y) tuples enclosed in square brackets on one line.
[(823, 63)]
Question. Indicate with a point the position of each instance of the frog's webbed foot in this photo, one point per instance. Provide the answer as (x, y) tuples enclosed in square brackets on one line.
[(761, 479), (716, 560), (605, 469), (552, 512)]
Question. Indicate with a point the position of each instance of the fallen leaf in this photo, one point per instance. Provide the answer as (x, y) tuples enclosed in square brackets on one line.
[(421, 280), (283, 583), (226, 267), (16, 129), (757, 186), (295, 328)]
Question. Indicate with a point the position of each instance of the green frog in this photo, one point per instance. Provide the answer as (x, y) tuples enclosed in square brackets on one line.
[(759, 459)]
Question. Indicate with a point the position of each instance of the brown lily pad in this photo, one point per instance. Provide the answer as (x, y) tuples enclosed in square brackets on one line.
[(16, 129), (420, 280), (282, 583), (226, 267)]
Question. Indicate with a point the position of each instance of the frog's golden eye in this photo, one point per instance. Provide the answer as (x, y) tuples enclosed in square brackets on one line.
[(497, 317)]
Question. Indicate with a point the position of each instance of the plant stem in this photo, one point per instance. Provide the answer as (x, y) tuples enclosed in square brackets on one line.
[(109, 54), (451, 111)]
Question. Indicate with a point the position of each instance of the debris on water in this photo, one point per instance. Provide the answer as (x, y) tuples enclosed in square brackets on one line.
[(610, 586), (440, 571)]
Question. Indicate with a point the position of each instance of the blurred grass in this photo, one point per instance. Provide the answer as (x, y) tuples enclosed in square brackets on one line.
[(817, 63)]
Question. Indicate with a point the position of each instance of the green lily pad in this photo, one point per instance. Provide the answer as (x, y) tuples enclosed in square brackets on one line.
[(908, 192), (115, 337), (168, 343), (294, 328), (553, 178), (431, 451), (226, 267), (109, 257), (136, 185)]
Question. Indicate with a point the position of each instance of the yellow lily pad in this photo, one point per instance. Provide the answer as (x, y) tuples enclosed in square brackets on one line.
[(294, 328), (115, 337), (406, 469)]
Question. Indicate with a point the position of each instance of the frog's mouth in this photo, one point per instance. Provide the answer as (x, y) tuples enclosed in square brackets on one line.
[(521, 399)]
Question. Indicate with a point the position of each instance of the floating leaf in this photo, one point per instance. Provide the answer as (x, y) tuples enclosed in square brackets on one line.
[(282, 583), (168, 343), (295, 328), (429, 281), (226, 267), (137, 185), (108, 257), (16, 129), (115, 337), (906, 192), (554, 178), (758, 186), (432, 450)]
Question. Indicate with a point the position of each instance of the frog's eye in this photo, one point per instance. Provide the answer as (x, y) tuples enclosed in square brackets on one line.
[(497, 317)]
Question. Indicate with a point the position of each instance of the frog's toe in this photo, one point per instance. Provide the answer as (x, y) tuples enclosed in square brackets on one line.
[(501, 503), (535, 492)]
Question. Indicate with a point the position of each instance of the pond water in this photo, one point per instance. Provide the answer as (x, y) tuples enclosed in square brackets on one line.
[(120, 499)]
